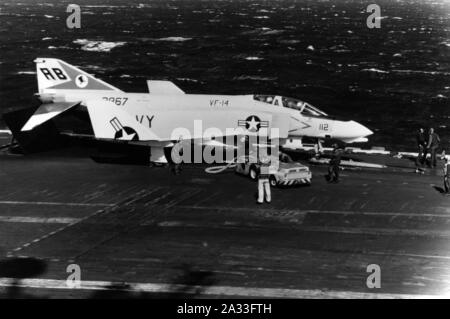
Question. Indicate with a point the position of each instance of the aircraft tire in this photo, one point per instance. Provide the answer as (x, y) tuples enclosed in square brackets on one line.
[(273, 181)]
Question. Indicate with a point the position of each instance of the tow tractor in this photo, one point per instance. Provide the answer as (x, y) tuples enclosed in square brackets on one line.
[(288, 173)]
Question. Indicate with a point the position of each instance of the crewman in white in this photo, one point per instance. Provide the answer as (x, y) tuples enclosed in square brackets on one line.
[(263, 180)]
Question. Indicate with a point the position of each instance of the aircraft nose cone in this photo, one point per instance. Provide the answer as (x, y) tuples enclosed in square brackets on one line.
[(350, 130), (361, 130)]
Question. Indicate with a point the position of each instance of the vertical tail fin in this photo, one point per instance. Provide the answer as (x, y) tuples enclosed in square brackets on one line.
[(54, 74)]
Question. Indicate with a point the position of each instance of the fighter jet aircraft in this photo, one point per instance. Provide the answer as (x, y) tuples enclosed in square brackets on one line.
[(166, 113)]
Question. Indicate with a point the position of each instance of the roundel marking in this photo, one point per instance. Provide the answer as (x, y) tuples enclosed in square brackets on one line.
[(81, 81)]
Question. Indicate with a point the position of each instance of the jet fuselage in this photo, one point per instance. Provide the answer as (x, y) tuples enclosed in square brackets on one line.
[(164, 113)]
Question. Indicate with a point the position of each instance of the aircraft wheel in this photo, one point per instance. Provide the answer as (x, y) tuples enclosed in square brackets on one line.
[(273, 181)]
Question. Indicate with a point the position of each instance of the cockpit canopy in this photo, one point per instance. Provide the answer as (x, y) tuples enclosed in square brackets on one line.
[(304, 107)]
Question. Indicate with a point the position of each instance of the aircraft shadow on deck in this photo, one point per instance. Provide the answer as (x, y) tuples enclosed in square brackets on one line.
[(189, 284), (181, 287), (18, 269)]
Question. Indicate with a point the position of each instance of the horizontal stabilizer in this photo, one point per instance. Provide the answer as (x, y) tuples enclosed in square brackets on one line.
[(46, 112), (163, 88), (115, 123)]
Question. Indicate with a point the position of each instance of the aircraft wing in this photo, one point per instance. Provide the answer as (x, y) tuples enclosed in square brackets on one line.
[(273, 125), (207, 128), (46, 112), (281, 121), (194, 124)]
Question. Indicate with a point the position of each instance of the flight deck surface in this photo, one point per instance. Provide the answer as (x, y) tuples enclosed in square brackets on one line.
[(139, 231)]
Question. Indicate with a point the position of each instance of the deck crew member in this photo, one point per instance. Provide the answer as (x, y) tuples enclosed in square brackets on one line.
[(177, 156), (433, 144), (263, 180), (446, 174), (421, 147), (333, 168)]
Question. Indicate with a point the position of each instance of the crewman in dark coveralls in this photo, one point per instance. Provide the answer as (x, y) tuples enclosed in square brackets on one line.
[(177, 153), (433, 144), (333, 168), (421, 147)]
